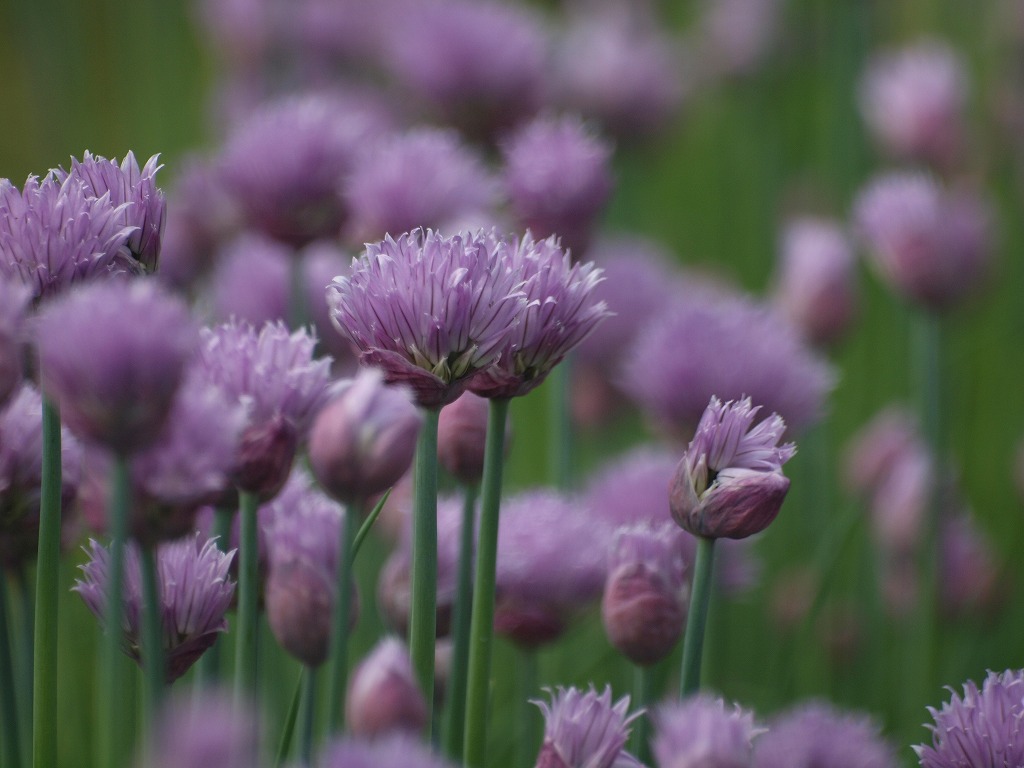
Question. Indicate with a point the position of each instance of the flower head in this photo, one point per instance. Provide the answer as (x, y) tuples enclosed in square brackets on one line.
[(321, 261), (195, 593), (816, 734), (399, 751), (13, 300), (729, 483), (430, 311), (251, 280), (982, 727), (701, 732), (383, 694), (113, 355), (561, 311), (585, 730)]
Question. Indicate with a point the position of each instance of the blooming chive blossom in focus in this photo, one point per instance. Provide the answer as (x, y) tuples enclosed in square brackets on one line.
[(13, 300), (194, 592), (430, 311), (383, 696), (585, 730), (701, 732), (113, 354), (729, 483), (981, 728), (561, 311)]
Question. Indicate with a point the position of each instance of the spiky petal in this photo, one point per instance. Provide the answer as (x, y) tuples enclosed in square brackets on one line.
[(585, 730)]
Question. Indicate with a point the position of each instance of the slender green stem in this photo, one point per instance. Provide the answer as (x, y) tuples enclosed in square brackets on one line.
[(482, 628), (288, 730), (645, 684), (340, 618), (308, 716), (25, 655), (153, 664), (44, 695), (693, 642), (527, 716), (113, 712), (248, 597), (298, 314), (209, 664), (456, 689), (423, 616), (8, 701), (560, 425)]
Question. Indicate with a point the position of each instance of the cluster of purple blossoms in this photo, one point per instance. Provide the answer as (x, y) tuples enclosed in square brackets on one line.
[(585, 730), (397, 751), (817, 734), (701, 731)]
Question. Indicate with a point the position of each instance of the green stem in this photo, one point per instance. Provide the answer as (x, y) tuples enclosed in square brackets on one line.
[(482, 629), (308, 716), (209, 664), (44, 695), (248, 597), (340, 618), (644, 686), (113, 712), (153, 664), (560, 425), (693, 642), (8, 701), (423, 615), (298, 315), (288, 730), (25, 655), (528, 717), (456, 689)]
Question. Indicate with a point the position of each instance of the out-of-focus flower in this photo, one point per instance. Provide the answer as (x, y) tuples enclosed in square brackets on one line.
[(585, 730), (816, 734), (913, 101), (383, 695), (645, 595), (933, 247), (558, 178), (140, 202), (969, 575), (982, 727), (561, 311), (461, 434), (701, 732), (816, 280), (712, 344), (13, 300), (200, 729), (113, 354), (321, 261), (251, 281), (729, 483), (399, 751), (363, 439), (194, 591), (423, 178), (430, 311), (734, 37)]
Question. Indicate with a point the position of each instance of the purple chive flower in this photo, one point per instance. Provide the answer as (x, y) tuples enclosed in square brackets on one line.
[(558, 177), (970, 581), (585, 730), (141, 202), (200, 729), (645, 596), (113, 355), (284, 162), (479, 64), (701, 732), (363, 439), (21, 468), (913, 101), (931, 246), (300, 591), (399, 751), (54, 233), (273, 374), (13, 301), (816, 280), (431, 311), (817, 734), (461, 434), (383, 695), (983, 727), (251, 281), (615, 64), (546, 568), (321, 261), (729, 483), (195, 593), (425, 177), (736, 36), (715, 344), (561, 311)]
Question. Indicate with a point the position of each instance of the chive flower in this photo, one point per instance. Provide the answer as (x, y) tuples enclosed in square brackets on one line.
[(816, 734), (13, 300), (585, 730), (701, 732)]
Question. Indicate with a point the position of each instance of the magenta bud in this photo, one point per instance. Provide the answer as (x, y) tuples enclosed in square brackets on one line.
[(299, 603), (529, 625), (363, 440), (265, 455), (461, 434), (383, 696), (741, 505)]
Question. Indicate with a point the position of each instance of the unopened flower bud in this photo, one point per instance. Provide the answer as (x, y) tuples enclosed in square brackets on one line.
[(13, 299), (383, 695), (461, 434), (265, 455)]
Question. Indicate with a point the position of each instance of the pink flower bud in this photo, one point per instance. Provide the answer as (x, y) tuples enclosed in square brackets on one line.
[(383, 695), (461, 434)]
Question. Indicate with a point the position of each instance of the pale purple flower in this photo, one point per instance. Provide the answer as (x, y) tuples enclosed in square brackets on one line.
[(113, 354), (141, 203), (913, 101), (399, 751), (815, 283), (712, 343), (970, 581), (251, 281), (339, 33), (383, 694), (585, 730), (321, 261), (53, 234), (981, 728), (816, 734), (701, 732), (734, 37), (729, 483), (558, 178), (431, 311), (461, 435), (14, 299), (194, 592), (561, 311), (422, 178)]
